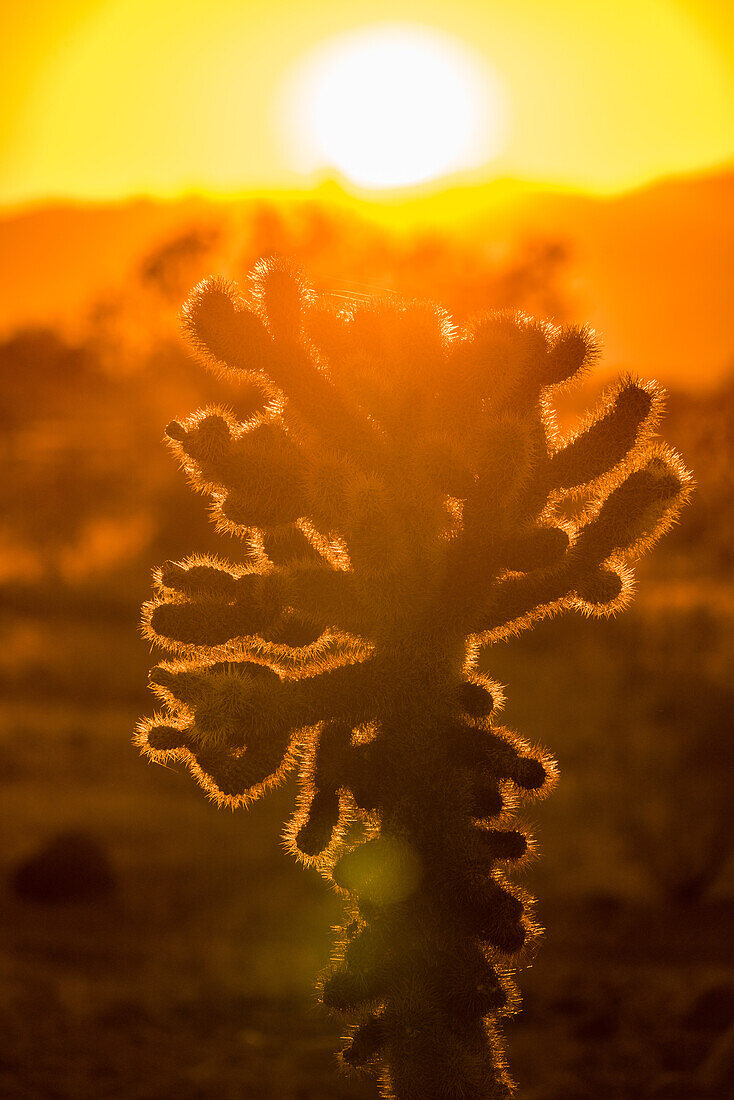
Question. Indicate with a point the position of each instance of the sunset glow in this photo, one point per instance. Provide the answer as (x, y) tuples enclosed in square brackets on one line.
[(391, 107), (110, 98)]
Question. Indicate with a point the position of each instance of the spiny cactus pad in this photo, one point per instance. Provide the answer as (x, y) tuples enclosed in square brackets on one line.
[(402, 496)]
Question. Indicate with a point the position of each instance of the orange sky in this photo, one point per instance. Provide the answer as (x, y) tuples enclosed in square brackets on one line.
[(107, 98)]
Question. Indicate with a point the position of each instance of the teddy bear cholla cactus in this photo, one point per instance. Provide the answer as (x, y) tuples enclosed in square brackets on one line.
[(400, 494)]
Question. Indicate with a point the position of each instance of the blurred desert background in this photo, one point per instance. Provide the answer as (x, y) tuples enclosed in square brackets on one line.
[(155, 946)]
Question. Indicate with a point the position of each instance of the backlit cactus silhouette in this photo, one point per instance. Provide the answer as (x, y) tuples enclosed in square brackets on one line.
[(400, 494)]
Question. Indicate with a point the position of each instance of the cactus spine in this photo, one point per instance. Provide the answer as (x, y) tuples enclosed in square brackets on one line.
[(400, 494)]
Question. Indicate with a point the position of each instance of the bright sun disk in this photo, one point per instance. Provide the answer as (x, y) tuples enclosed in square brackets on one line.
[(393, 106)]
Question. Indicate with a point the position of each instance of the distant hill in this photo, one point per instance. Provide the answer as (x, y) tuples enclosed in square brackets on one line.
[(56, 259), (652, 269), (655, 272)]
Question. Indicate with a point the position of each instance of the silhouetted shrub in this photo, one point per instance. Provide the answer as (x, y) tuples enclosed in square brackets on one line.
[(73, 866), (169, 267)]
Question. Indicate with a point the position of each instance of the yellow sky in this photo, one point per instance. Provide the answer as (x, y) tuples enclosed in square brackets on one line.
[(107, 98)]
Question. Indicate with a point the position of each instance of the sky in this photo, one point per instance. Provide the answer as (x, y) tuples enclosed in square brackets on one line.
[(104, 99)]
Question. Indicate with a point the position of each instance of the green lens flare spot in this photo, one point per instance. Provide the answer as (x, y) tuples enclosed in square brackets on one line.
[(383, 872)]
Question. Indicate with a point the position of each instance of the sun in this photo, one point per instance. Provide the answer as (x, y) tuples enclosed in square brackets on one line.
[(393, 106)]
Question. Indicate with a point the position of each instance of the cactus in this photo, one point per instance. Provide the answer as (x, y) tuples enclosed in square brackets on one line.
[(403, 496)]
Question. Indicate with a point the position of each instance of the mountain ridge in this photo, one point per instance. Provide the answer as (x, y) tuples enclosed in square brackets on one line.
[(652, 268)]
